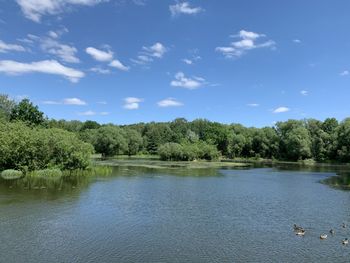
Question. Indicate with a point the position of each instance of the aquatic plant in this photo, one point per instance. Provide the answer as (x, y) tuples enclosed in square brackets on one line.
[(11, 174)]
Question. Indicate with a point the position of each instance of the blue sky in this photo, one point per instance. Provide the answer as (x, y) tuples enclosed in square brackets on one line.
[(127, 61)]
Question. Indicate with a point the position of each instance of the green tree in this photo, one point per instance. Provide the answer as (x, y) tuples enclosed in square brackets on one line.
[(110, 141), (134, 141), (6, 107), (25, 111)]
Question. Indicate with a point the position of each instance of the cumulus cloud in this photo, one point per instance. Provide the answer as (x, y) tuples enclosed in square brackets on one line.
[(35, 9), (67, 101), (65, 52), (188, 83), (344, 73), (157, 50), (74, 101), (100, 55), (132, 103), (87, 113), (11, 67), (169, 102), (105, 56), (297, 41), (148, 54), (118, 65), (281, 110), (184, 8), (100, 70), (304, 92), (246, 41), (4, 47)]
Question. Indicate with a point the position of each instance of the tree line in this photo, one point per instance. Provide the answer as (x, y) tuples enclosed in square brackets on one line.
[(179, 140)]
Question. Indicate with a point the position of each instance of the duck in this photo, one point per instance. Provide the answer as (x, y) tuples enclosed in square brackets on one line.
[(344, 225), (323, 236), (345, 241), (332, 232), (300, 232), (297, 228)]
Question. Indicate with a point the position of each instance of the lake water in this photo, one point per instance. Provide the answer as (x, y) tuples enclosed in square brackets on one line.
[(149, 215)]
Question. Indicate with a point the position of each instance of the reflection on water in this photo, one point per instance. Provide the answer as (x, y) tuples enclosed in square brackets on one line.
[(143, 214)]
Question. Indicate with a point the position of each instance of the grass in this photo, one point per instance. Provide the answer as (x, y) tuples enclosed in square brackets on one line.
[(46, 173), (11, 174), (158, 164)]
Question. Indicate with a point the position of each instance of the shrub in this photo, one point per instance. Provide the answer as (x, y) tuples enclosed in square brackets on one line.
[(11, 174)]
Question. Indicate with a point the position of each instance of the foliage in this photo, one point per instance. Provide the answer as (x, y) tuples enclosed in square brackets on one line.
[(25, 111), (47, 173), (110, 141), (32, 148), (11, 174), (6, 107)]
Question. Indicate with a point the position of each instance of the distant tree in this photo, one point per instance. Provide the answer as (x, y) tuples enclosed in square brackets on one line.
[(134, 141), (295, 140), (6, 107), (25, 111), (343, 141), (90, 125), (110, 141)]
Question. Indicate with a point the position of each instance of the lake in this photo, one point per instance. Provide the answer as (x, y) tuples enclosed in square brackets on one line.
[(170, 215)]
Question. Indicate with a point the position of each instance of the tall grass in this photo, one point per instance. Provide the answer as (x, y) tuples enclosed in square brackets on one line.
[(11, 174)]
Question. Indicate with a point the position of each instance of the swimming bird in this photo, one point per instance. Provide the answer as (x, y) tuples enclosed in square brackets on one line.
[(297, 228), (344, 225), (332, 232), (300, 232), (345, 241), (323, 236)]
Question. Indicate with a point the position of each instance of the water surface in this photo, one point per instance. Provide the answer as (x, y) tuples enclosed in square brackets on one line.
[(152, 215)]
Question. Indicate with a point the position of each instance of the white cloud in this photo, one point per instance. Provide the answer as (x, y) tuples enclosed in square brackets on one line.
[(169, 102), (190, 61), (132, 103), (187, 61), (304, 92), (4, 47), (51, 102), (64, 52), (118, 65), (157, 50), (45, 66), (87, 113), (344, 73), (148, 53), (35, 9), (100, 70), (184, 8), (281, 110), (248, 41), (74, 101), (253, 104), (189, 83), (100, 55), (297, 41)]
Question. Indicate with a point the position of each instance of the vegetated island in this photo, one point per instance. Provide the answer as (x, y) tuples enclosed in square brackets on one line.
[(32, 144)]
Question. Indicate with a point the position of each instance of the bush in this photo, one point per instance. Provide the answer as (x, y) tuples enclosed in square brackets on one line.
[(47, 173), (188, 152), (11, 174), (171, 152), (26, 148)]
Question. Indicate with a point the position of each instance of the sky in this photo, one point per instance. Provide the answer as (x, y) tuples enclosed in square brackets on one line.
[(128, 61)]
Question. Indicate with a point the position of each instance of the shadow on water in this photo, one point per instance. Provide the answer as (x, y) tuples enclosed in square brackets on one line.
[(59, 185)]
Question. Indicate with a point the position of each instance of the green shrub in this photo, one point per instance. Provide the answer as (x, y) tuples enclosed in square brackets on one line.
[(47, 173), (35, 148), (11, 174)]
